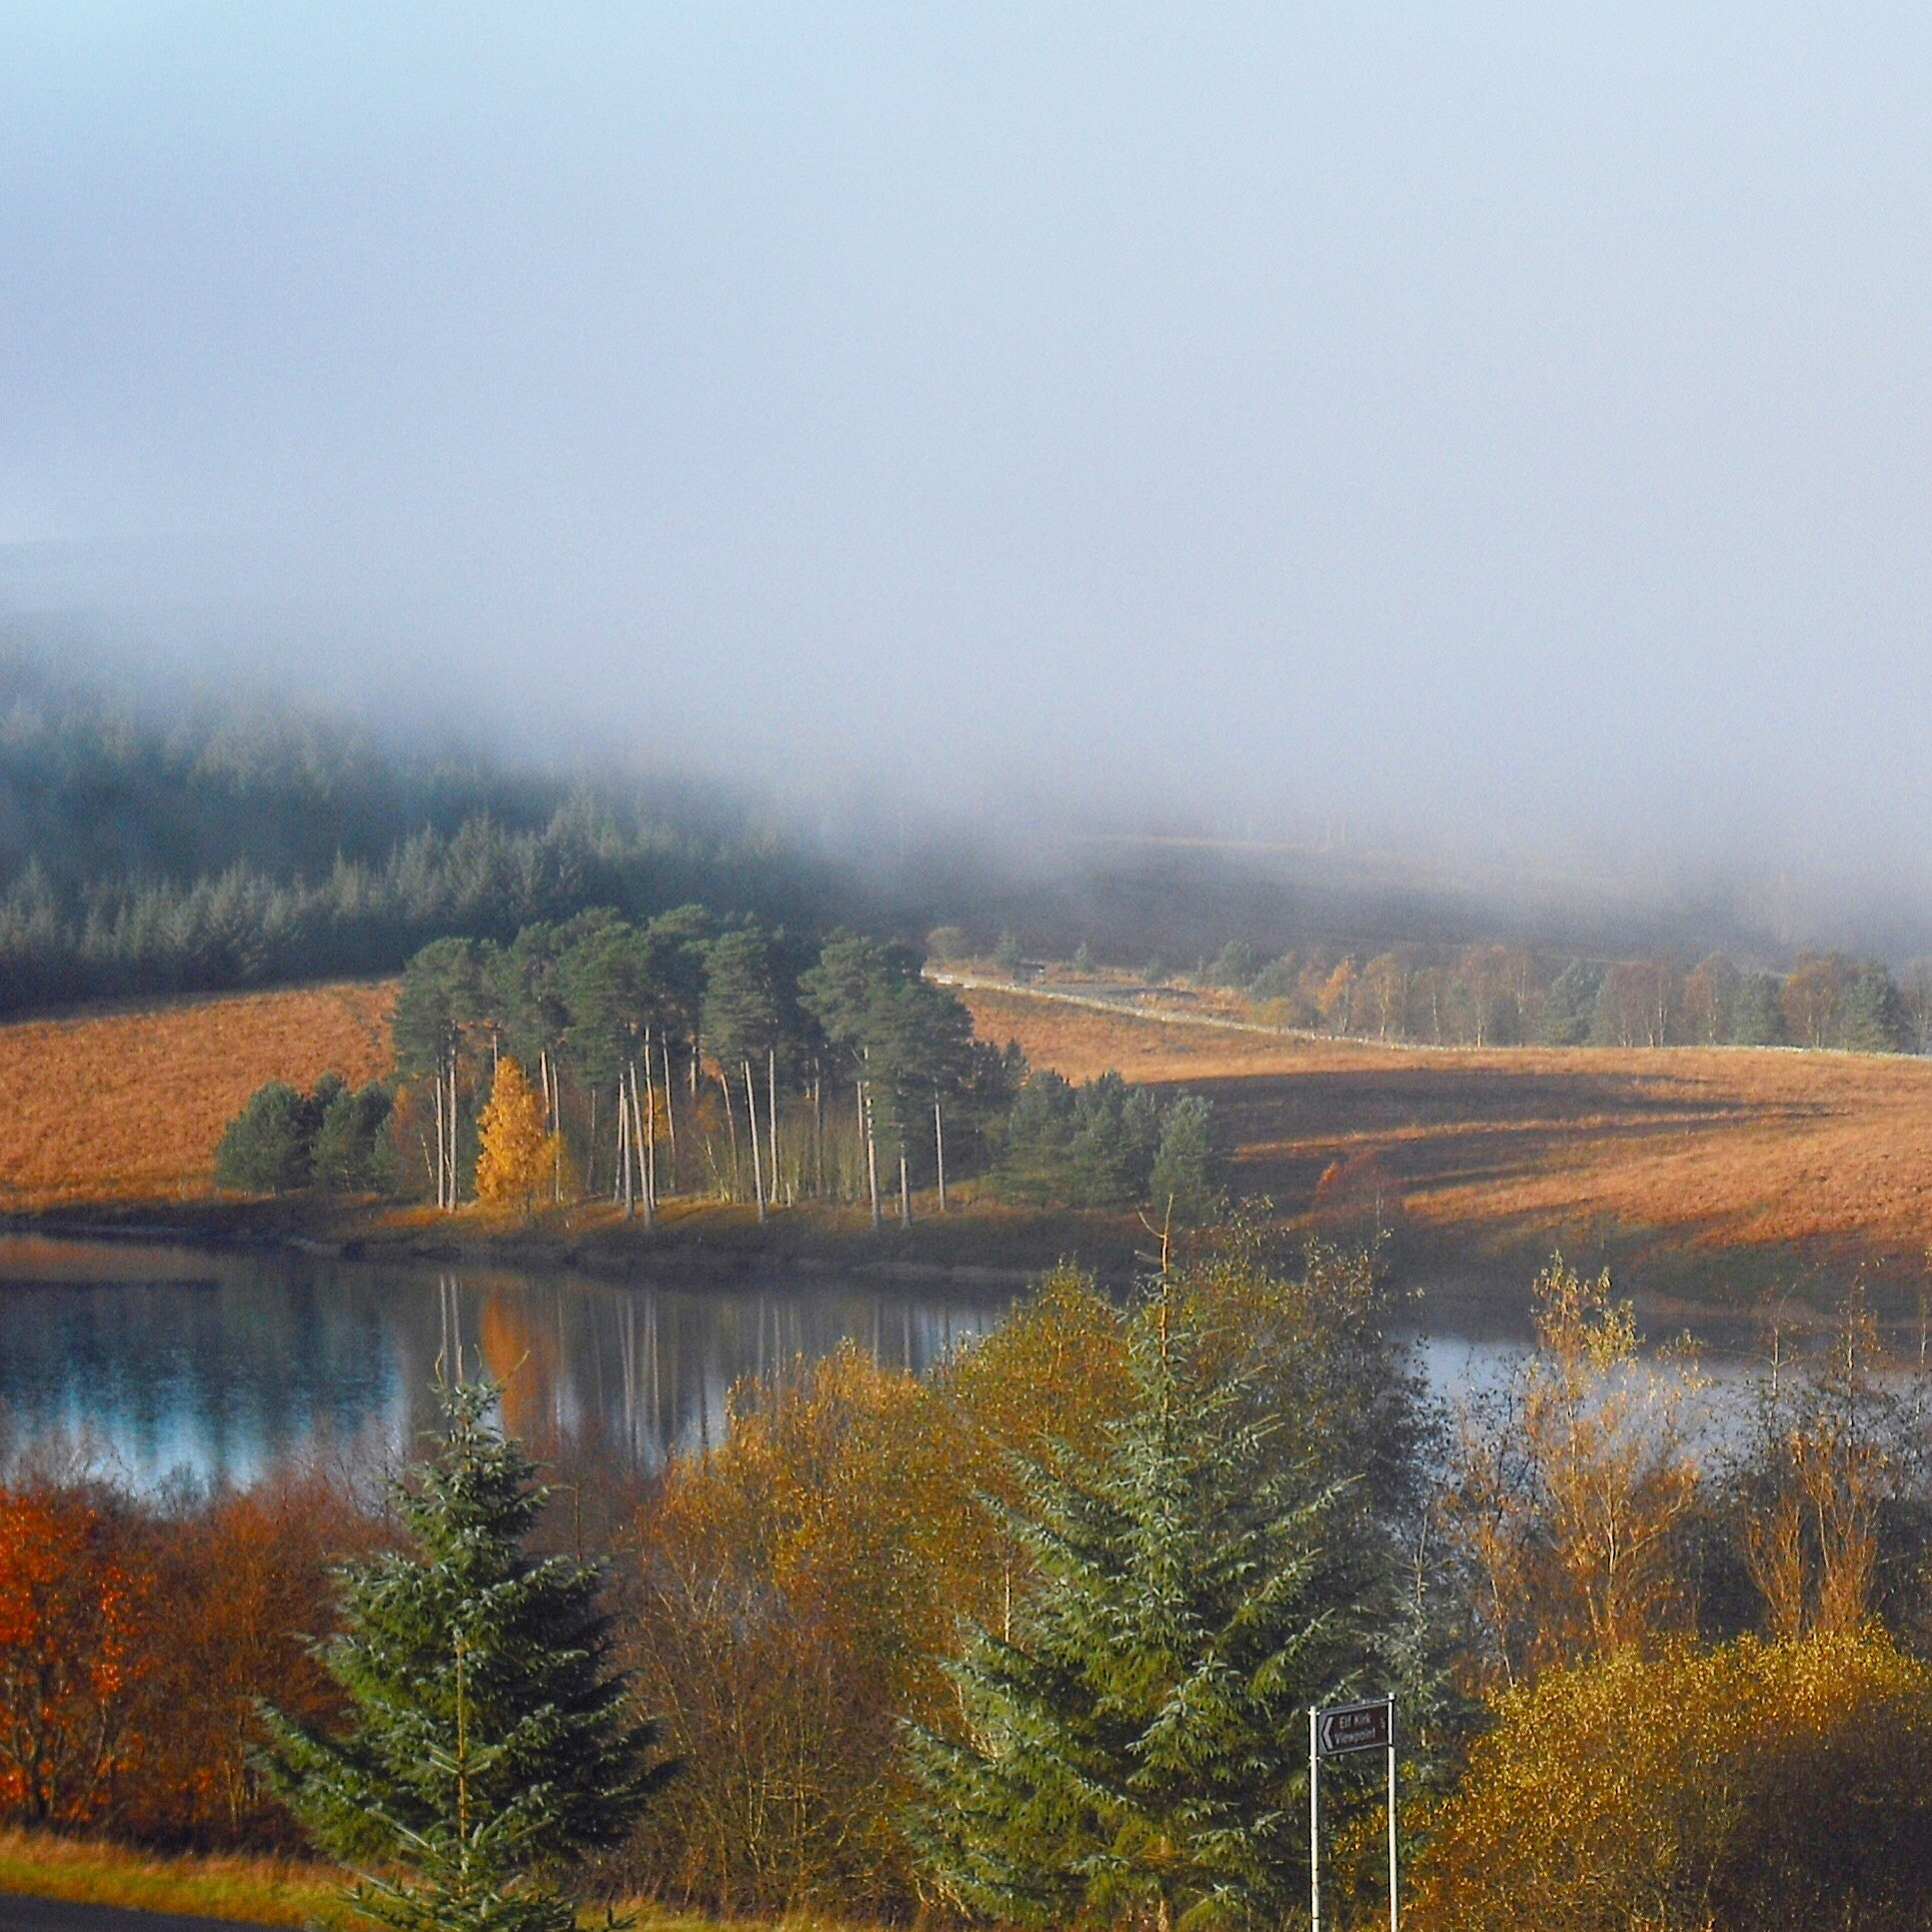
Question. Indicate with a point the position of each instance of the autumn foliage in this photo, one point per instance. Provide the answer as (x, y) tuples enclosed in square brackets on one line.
[(1753, 1783), (517, 1155), (76, 1602), (1645, 1682), (134, 1644), (801, 1592)]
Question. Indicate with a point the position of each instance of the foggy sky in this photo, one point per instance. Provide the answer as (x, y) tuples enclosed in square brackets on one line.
[(1497, 430)]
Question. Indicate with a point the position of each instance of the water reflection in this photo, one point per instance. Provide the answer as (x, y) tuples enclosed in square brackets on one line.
[(168, 1361), (222, 1366)]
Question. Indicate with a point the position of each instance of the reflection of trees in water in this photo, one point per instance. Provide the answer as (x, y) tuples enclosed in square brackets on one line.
[(267, 1360)]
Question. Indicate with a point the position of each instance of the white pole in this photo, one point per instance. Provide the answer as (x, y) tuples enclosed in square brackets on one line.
[(1314, 1825), (1393, 1911)]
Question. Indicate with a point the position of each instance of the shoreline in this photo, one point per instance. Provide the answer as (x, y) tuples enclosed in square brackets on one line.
[(991, 1248)]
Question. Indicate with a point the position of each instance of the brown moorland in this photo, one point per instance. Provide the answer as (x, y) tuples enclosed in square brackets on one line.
[(1733, 1149), (1823, 1154), (128, 1105)]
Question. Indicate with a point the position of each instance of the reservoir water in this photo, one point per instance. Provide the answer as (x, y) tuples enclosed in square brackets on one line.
[(151, 1364)]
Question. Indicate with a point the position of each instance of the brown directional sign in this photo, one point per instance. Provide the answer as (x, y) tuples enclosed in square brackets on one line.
[(1353, 1727)]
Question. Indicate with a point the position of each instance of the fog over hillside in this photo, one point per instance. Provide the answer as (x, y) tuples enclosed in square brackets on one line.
[(1478, 455)]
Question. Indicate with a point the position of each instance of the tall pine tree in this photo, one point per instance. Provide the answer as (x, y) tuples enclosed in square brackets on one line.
[(1133, 1750), (489, 1743)]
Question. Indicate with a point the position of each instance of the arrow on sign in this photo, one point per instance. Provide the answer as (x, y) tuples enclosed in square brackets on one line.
[(1354, 1727)]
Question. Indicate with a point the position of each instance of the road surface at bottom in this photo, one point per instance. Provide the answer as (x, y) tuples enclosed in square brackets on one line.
[(18, 1913)]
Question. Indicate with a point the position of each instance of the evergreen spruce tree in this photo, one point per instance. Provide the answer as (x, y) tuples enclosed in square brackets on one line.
[(1184, 1164), (1872, 1019), (1568, 1006), (265, 1149), (1755, 1018), (488, 1742), (1135, 1751), (352, 1147)]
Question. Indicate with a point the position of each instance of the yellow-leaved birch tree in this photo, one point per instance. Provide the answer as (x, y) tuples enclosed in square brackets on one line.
[(516, 1157)]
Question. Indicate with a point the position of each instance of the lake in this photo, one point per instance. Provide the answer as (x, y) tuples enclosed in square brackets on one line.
[(155, 1362)]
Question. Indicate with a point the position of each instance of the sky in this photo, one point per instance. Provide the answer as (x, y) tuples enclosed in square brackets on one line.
[(1494, 430)]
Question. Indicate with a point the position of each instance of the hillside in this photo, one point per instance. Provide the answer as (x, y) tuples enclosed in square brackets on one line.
[(1726, 1147), (1760, 1154), (128, 1105)]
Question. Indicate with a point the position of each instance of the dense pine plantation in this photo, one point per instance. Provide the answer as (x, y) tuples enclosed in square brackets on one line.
[(145, 851)]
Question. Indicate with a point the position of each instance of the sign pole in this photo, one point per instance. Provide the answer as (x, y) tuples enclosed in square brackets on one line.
[(1393, 1921), (1314, 1823)]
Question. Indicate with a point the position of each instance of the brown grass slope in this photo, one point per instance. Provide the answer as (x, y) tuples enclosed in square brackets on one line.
[(1725, 1147), (1704, 1149), (128, 1105)]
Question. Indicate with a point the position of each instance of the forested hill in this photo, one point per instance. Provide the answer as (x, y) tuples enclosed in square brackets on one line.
[(234, 845)]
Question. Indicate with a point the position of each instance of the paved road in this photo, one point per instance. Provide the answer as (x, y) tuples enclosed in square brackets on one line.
[(21, 1914)]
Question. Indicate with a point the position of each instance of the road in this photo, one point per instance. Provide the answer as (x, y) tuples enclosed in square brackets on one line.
[(21, 1914)]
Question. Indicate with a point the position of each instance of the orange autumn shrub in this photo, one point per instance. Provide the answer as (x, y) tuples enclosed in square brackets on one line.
[(135, 1645), (249, 1589), (77, 1646)]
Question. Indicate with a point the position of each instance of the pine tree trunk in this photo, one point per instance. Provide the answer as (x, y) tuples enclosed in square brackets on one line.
[(670, 1113), (730, 1126), (817, 1132), (557, 1130), (938, 1147), (904, 1196), (442, 1149), (647, 1125), (621, 1181), (772, 1117), (758, 1166), (872, 1151)]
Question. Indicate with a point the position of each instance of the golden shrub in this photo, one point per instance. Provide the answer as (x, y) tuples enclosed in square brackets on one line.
[(1750, 1785)]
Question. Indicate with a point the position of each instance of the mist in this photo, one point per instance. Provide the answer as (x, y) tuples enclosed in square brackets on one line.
[(1487, 443)]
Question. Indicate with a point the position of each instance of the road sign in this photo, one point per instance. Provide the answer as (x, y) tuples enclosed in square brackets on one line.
[(1349, 1727), (1353, 1727)]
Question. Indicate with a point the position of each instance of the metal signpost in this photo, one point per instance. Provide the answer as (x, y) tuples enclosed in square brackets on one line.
[(1348, 1727)]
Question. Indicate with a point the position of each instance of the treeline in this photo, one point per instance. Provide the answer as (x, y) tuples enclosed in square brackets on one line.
[(235, 848), (691, 1054), (1489, 996), (1031, 1639)]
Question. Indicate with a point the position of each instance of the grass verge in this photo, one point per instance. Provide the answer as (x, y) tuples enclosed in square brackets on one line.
[(249, 1890), (258, 1891)]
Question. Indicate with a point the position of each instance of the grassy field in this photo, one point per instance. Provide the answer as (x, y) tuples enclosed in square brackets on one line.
[(1727, 1152), (1828, 1155), (128, 1105)]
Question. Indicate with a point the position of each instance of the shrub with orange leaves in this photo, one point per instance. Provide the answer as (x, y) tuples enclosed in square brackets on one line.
[(1747, 1787), (248, 1584), (136, 1641), (76, 1609)]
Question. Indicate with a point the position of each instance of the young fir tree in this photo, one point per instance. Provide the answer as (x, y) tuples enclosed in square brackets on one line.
[(1135, 1751), (488, 1742)]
